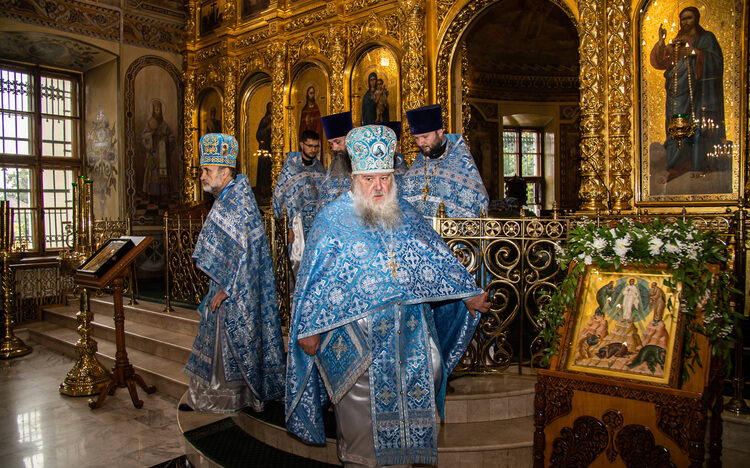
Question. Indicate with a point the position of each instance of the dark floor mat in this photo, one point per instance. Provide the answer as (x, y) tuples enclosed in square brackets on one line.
[(273, 413), (228, 445)]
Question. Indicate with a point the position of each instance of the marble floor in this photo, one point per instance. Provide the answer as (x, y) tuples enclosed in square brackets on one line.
[(41, 428)]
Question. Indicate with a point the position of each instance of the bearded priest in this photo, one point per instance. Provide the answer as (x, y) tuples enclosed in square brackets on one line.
[(362, 334)]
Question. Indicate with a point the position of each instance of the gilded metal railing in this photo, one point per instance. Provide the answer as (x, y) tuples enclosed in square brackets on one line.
[(186, 283), (514, 260), (278, 241), (183, 282), (38, 283)]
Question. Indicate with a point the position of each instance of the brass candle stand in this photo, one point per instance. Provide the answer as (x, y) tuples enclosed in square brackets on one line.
[(11, 346), (88, 376)]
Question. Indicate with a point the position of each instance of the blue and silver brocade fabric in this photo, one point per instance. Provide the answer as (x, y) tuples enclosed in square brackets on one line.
[(233, 251), (399, 168), (343, 277), (297, 189), (333, 187), (453, 180)]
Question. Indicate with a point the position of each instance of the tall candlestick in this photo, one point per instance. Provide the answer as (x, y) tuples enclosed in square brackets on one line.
[(3, 208), (76, 215)]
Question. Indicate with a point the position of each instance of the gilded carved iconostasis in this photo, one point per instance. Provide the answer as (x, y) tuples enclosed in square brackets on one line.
[(584, 73), (579, 68)]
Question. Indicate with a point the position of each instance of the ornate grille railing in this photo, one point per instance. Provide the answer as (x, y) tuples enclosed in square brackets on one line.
[(514, 260), (186, 283), (183, 281), (277, 238)]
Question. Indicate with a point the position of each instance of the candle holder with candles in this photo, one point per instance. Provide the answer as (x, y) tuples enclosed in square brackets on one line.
[(88, 376), (681, 126), (10, 346)]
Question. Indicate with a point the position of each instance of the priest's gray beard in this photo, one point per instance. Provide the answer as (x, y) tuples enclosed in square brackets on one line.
[(340, 164), (386, 215)]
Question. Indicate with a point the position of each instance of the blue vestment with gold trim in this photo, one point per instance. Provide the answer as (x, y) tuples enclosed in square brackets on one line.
[(297, 189), (453, 179), (232, 250), (346, 274)]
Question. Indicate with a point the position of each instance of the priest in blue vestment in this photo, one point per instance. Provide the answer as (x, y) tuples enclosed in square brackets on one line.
[(296, 190), (362, 334), (237, 359), (444, 170), (338, 177)]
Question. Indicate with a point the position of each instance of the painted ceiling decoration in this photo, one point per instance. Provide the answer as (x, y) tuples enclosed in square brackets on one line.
[(155, 24), (51, 50)]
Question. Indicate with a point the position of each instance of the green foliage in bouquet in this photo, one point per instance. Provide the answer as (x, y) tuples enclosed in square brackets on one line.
[(680, 246)]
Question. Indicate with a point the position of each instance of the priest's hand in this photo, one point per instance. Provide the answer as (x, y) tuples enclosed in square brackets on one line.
[(478, 303), (309, 344), (217, 300), (290, 236)]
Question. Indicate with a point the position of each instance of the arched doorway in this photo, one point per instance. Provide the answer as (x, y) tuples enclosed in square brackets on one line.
[(517, 100)]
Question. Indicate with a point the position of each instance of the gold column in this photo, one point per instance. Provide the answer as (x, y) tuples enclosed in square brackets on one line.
[(229, 70), (10, 346), (191, 189), (619, 89), (414, 84), (414, 74), (277, 51), (590, 29), (465, 106), (88, 376), (337, 39)]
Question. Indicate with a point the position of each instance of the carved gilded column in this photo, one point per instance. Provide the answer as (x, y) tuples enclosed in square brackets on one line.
[(277, 52), (229, 71), (465, 106), (619, 89), (337, 39), (414, 72), (190, 186), (591, 29)]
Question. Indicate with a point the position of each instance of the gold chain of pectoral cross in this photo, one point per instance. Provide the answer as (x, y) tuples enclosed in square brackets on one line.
[(392, 264), (427, 178)]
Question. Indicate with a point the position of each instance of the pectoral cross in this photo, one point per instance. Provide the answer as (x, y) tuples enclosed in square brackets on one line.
[(392, 264), (425, 191)]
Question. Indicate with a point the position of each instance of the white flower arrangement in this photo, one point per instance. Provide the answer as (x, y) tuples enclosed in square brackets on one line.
[(679, 246)]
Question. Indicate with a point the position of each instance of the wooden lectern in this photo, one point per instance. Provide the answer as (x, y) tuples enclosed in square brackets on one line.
[(108, 267)]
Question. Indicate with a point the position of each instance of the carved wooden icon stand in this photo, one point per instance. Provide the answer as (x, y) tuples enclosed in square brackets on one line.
[(595, 421), (123, 373)]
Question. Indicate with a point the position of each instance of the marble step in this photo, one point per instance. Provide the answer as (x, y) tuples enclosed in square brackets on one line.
[(179, 319), (502, 443), (165, 374), (735, 436), (159, 340), (485, 398)]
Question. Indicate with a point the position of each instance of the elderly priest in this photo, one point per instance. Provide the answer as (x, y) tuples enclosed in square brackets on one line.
[(362, 334), (237, 359)]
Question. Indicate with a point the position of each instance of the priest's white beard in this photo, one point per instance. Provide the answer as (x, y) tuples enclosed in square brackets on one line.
[(387, 215)]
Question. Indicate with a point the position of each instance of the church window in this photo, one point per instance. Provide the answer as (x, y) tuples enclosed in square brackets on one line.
[(522, 160), (39, 152)]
